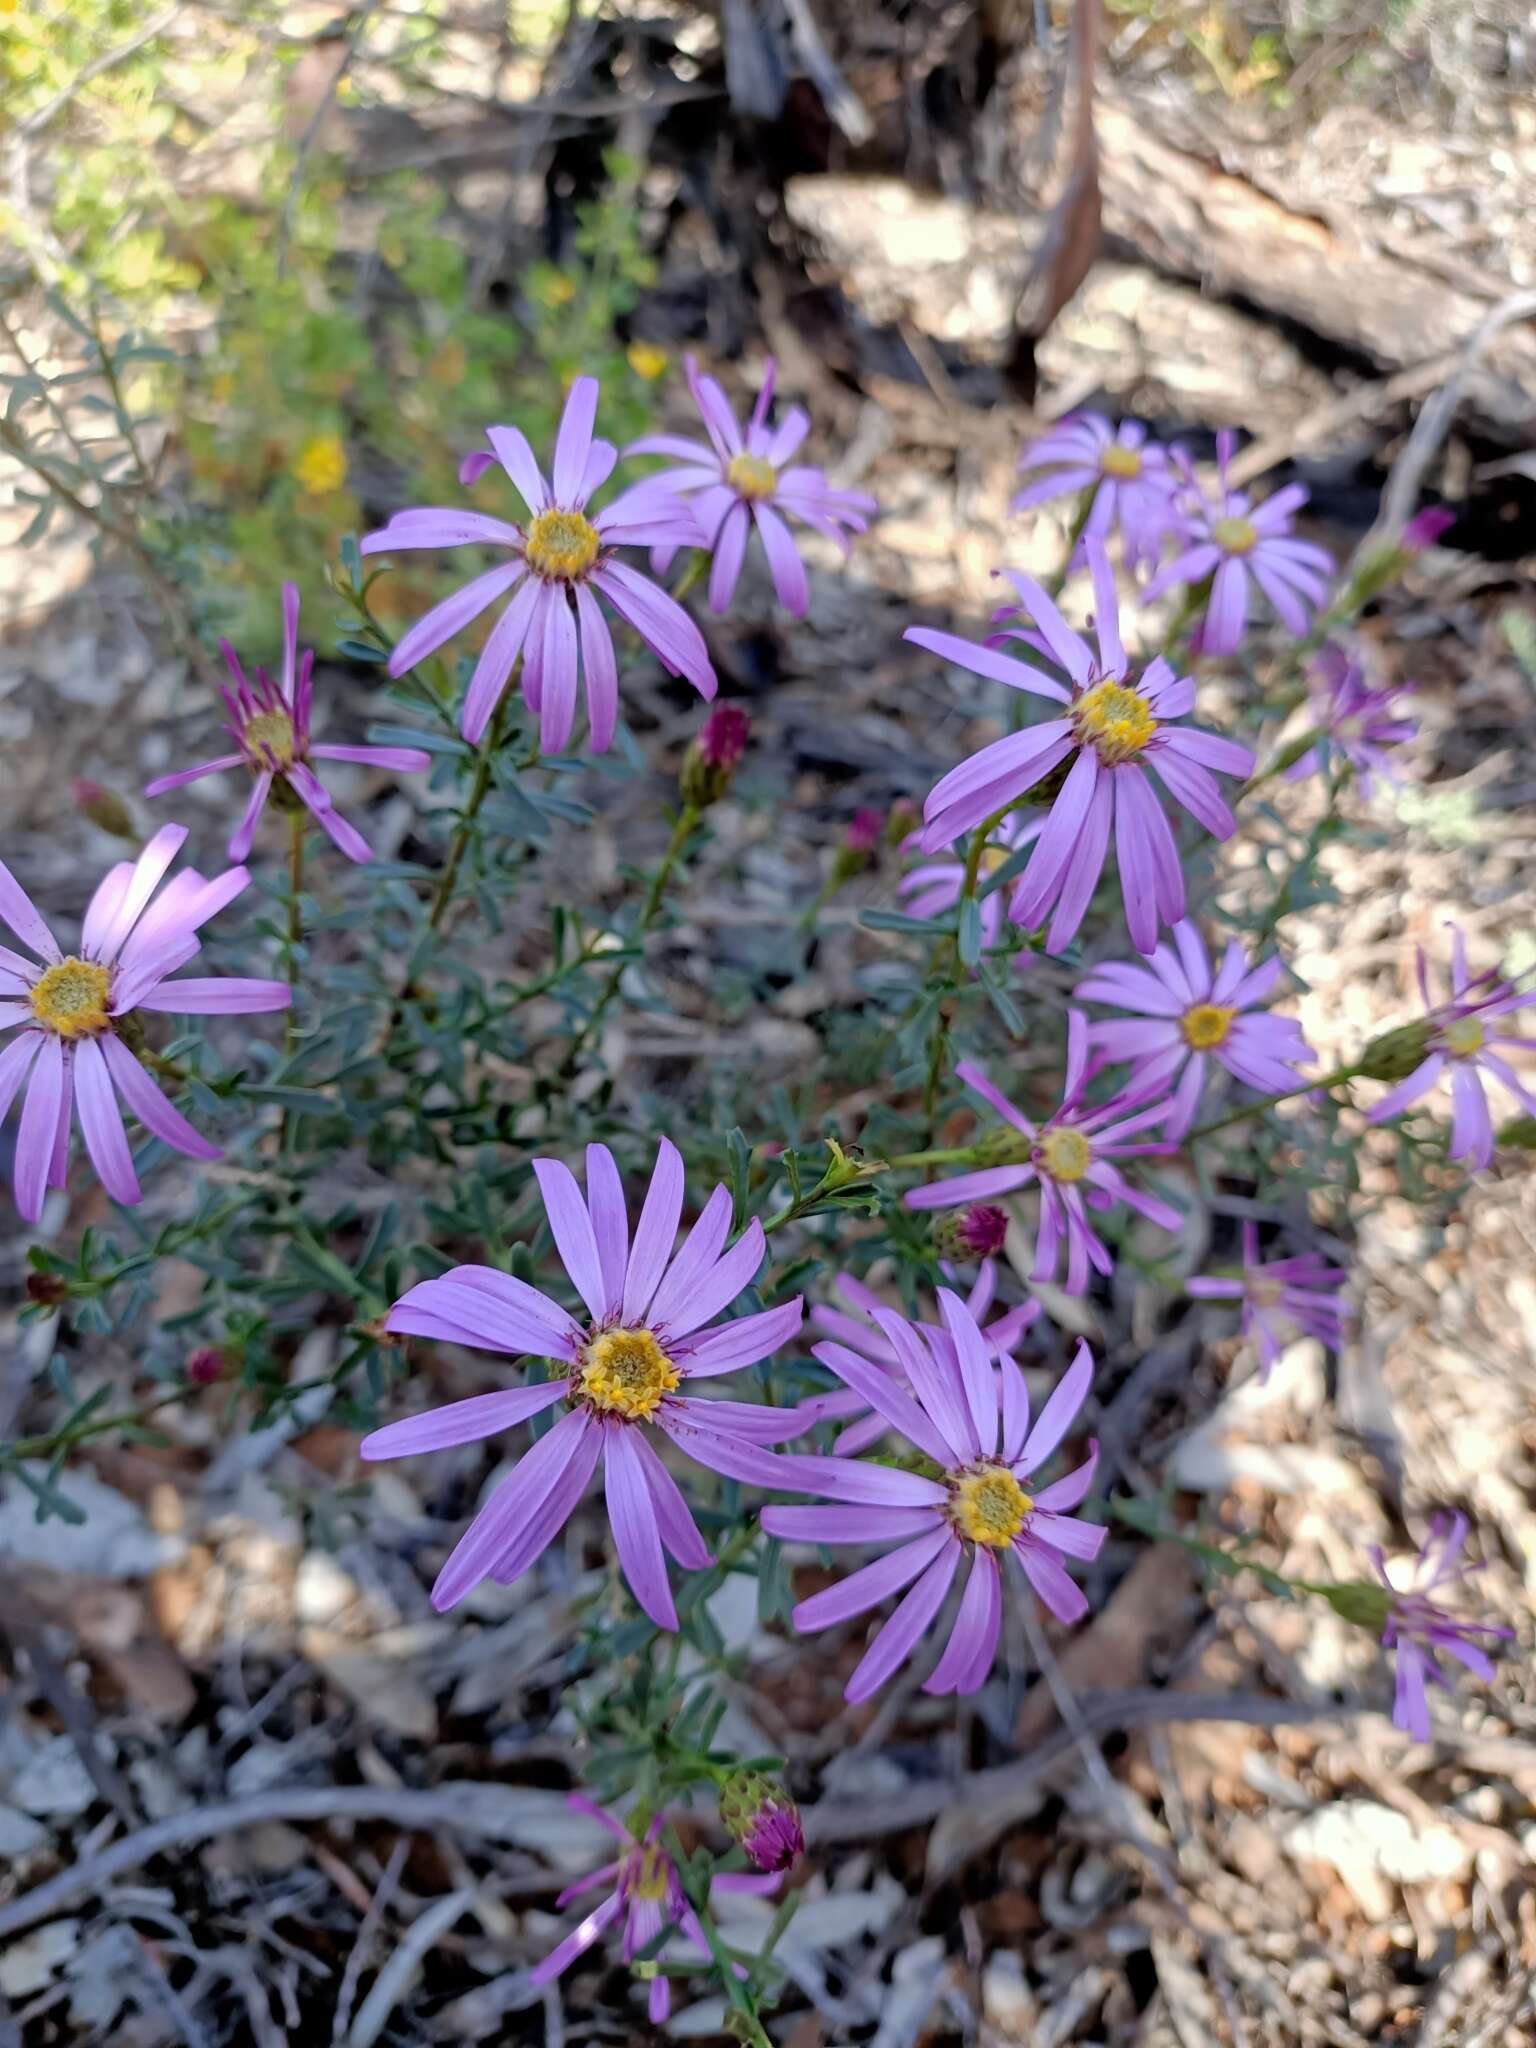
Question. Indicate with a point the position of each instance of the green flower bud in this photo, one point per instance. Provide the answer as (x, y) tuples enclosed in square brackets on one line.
[(1394, 1055), (1366, 1606)]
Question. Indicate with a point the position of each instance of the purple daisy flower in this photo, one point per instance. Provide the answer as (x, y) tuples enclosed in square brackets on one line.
[(270, 725), (558, 560), (934, 887), (645, 1338), (1418, 1628), (647, 1894), (1237, 544), (1356, 717), (1458, 1043), (1133, 483), (973, 1421), (862, 1334), (1194, 1016), (1113, 730), (1282, 1300), (1073, 1158), (737, 480), (73, 1051)]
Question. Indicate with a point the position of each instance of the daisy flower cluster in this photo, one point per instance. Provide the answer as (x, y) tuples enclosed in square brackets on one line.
[(925, 1408)]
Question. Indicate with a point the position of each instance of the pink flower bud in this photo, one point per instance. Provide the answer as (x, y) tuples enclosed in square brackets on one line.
[(763, 1819), (969, 1234), (207, 1366), (103, 806), (713, 756), (1426, 527), (864, 833)]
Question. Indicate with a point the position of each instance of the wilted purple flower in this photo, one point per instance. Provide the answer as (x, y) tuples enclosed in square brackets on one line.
[(1073, 1157), (934, 887), (1132, 481), (270, 725), (1193, 1016), (1282, 1300), (1236, 544), (1113, 730), (558, 559), (738, 480), (1418, 1628), (645, 1339), (1356, 717), (762, 1817), (72, 1047), (861, 1332), (647, 1893), (973, 1421), (1457, 1041), (966, 1235)]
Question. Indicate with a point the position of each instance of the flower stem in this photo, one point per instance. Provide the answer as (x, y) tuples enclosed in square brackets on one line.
[(682, 831), (945, 1155), (1248, 1109), (479, 789), (293, 939), (78, 1433)]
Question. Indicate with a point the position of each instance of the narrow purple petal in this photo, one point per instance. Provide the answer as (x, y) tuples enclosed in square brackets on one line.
[(972, 1644), (906, 1627), (744, 1342), (635, 1533), (872, 1583), (164, 784), (24, 918), (1056, 1417), (517, 1502), (459, 1422), (784, 563), (574, 440), (655, 1233), (38, 1130)]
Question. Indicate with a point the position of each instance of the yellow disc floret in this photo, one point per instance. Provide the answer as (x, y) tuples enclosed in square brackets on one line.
[(1115, 720), (269, 736), (751, 477), (1118, 460), (648, 1872), (561, 545), (1206, 1025), (72, 998), (1235, 536), (1463, 1038), (989, 1506), (1064, 1154), (625, 1372)]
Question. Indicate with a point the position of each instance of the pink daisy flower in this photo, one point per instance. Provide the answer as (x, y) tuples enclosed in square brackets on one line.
[(1420, 1629), (560, 562), (1459, 1046), (270, 725), (738, 480), (1355, 717), (1237, 544), (934, 886), (973, 1421), (1132, 480), (71, 1014), (647, 1894), (625, 1367), (1282, 1300), (1073, 1158), (862, 1333), (1193, 1016), (1113, 730)]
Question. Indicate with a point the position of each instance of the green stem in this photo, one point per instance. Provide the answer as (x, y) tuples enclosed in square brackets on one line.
[(66, 1438), (293, 939), (687, 819), (1302, 866), (1248, 1109), (479, 789), (945, 1155)]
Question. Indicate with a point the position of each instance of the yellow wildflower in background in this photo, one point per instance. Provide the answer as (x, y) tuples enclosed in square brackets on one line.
[(646, 359), (558, 290), (321, 465)]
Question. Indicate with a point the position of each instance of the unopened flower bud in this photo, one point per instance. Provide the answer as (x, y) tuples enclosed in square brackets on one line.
[(1520, 1133), (965, 1235), (207, 1366), (104, 807), (47, 1290), (903, 821), (1426, 527), (762, 1817), (1394, 1055), (713, 756), (861, 837)]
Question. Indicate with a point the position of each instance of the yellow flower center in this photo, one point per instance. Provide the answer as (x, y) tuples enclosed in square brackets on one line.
[(626, 1372), (989, 1506), (270, 734), (648, 1879), (1463, 1038), (1118, 460), (72, 998), (1206, 1024), (1264, 1292), (1115, 720), (752, 477), (1064, 1154), (1235, 536), (561, 545), (992, 859)]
